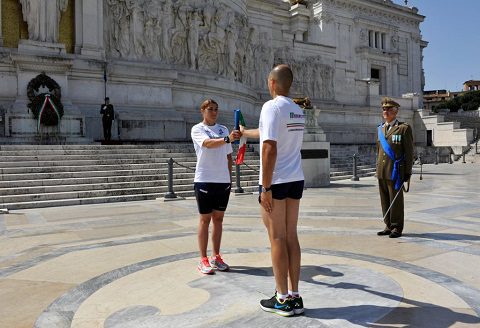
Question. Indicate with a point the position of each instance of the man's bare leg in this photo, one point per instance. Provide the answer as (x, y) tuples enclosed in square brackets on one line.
[(275, 221), (293, 246)]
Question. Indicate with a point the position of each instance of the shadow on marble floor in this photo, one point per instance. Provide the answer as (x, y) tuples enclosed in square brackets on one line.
[(418, 314), (443, 236)]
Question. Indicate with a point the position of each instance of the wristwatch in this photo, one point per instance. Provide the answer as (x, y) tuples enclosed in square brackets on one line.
[(226, 139), (266, 189)]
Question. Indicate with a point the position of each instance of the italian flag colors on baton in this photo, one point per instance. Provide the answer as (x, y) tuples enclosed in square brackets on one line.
[(242, 147)]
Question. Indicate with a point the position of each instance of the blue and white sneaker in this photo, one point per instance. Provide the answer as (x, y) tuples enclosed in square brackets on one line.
[(283, 308)]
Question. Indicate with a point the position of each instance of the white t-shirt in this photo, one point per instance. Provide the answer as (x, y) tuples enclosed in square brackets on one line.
[(283, 121), (212, 163)]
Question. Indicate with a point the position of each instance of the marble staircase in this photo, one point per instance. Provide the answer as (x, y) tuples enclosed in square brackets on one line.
[(33, 176), (341, 161), (448, 133)]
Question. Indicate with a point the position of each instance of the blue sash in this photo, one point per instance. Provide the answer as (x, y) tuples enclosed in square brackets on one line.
[(391, 154)]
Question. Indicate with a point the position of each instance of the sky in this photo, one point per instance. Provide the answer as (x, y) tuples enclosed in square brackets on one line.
[(452, 31)]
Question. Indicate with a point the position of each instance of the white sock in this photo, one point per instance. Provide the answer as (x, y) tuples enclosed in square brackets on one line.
[(294, 294), (281, 296)]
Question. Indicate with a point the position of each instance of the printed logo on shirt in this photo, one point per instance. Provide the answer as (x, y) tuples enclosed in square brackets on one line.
[(294, 115), (220, 132), (210, 134)]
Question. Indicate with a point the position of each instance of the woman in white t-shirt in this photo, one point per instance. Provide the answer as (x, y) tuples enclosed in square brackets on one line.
[(212, 181)]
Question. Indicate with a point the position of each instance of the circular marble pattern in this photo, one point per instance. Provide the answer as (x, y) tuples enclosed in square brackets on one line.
[(339, 289)]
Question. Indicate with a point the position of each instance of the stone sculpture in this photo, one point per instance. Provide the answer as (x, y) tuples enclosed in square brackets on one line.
[(43, 18)]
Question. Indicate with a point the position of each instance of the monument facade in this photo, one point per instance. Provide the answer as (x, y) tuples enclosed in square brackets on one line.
[(158, 60)]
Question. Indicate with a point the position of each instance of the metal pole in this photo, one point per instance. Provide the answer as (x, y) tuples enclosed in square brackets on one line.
[(450, 154), (355, 176), (105, 80), (436, 156), (463, 158), (239, 189), (170, 194), (421, 166), (476, 147)]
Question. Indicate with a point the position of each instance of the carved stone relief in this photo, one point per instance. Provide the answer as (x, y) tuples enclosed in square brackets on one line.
[(202, 35), (312, 79)]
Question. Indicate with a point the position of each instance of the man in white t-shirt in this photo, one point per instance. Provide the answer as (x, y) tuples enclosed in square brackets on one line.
[(281, 187), (212, 182)]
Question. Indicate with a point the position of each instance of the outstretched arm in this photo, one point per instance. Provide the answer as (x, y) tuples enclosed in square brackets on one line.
[(250, 133)]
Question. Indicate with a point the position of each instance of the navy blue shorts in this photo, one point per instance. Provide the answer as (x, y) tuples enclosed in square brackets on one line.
[(281, 191), (211, 196)]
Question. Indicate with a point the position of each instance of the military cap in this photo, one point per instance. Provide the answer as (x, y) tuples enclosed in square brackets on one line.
[(389, 103)]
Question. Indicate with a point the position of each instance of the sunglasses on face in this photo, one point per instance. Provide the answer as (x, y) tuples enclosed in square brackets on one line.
[(386, 109)]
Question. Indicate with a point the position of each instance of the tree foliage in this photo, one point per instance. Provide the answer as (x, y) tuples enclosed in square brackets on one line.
[(467, 101)]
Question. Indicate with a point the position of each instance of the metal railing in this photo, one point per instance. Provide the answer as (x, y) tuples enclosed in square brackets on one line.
[(354, 173), (170, 194)]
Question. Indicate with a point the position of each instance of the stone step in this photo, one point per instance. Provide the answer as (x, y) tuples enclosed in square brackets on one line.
[(92, 155), (349, 176), (182, 158), (97, 193), (363, 171), (448, 126), (45, 152), (65, 169), (97, 173), (104, 156), (101, 148), (61, 164), (96, 147), (350, 167), (105, 186), (107, 199), (57, 175), (34, 180)]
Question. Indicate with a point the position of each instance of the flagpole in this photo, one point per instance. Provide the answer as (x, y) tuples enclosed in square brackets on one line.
[(105, 80)]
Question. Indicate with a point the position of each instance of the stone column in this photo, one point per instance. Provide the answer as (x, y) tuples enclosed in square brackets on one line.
[(89, 28)]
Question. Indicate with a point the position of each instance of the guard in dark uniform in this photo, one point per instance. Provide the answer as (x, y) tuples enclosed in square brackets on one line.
[(107, 118), (394, 166)]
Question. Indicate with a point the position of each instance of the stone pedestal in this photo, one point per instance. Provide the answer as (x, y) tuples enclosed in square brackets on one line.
[(315, 152), (316, 160), (23, 128)]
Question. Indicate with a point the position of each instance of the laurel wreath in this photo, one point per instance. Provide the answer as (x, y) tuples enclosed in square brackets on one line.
[(46, 108)]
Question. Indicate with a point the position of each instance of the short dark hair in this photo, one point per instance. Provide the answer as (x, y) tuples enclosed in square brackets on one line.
[(107, 98)]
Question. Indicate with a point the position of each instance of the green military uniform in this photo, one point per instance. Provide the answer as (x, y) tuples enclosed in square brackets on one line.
[(400, 139)]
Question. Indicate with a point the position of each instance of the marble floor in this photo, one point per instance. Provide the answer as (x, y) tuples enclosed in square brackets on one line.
[(131, 265)]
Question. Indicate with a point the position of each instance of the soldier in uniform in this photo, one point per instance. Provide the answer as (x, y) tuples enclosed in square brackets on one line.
[(394, 166), (107, 118)]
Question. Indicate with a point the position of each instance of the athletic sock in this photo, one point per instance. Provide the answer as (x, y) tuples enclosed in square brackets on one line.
[(294, 294), (281, 297)]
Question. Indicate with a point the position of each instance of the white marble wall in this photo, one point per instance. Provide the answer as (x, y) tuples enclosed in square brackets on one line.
[(164, 57)]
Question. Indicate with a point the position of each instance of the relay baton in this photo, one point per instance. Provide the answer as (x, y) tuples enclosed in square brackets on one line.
[(237, 123)]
